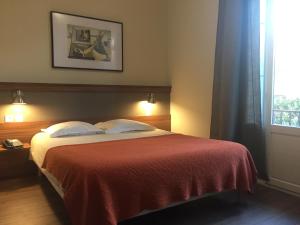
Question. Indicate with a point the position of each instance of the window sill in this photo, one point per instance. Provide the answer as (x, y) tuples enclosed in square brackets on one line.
[(284, 130)]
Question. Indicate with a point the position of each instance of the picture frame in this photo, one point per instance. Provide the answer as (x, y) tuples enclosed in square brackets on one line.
[(80, 42)]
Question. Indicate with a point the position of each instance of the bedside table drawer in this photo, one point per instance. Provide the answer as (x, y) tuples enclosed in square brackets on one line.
[(15, 163), (14, 155), (18, 170)]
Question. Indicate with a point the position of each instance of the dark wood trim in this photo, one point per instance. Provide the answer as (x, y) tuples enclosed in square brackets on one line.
[(26, 147), (87, 17), (16, 163), (52, 41), (24, 131), (91, 18), (54, 87)]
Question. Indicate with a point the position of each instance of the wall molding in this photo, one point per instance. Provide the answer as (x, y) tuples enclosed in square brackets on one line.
[(54, 87), (283, 186)]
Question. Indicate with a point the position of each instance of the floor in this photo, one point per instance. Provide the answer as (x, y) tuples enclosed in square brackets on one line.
[(32, 201)]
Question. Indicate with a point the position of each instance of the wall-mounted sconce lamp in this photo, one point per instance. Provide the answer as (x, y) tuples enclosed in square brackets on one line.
[(16, 113), (151, 98), (18, 98), (148, 106)]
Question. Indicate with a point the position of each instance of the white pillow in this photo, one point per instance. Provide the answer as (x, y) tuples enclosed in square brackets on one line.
[(72, 128), (123, 125)]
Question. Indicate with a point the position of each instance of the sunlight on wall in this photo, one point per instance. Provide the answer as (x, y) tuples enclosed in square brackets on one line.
[(183, 121), (178, 124)]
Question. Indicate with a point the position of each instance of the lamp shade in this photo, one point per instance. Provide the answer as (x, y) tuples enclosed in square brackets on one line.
[(151, 98), (18, 98)]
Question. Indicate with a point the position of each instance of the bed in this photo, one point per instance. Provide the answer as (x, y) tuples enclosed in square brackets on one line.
[(107, 178)]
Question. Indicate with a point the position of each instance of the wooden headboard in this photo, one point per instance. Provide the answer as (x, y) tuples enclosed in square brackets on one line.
[(53, 87), (24, 131)]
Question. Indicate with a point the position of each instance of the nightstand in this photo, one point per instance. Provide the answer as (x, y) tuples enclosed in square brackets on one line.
[(16, 163)]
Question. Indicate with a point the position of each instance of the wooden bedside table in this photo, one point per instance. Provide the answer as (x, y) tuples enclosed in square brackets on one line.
[(16, 163)]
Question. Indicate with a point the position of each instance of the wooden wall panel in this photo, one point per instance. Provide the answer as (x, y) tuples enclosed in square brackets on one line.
[(115, 95), (47, 87)]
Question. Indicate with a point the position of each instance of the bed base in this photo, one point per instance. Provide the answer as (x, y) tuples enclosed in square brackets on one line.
[(238, 196)]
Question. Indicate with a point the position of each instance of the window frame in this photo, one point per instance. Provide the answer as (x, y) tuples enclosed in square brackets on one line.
[(269, 79)]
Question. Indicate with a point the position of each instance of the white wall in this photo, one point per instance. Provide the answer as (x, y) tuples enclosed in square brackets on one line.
[(283, 158), (192, 36)]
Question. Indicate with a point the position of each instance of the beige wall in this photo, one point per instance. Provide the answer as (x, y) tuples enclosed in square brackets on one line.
[(192, 37), (164, 40), (26, 49)]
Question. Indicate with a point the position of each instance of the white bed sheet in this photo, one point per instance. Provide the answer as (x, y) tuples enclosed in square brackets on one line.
[(42, 142)]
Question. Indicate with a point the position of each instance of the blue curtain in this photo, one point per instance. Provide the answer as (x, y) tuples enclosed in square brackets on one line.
[(236, 110)]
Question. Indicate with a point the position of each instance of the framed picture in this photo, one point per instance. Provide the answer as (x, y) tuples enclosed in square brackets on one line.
[(80, 42)]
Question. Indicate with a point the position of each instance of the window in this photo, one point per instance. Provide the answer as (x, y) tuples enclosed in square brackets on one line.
[(286, 60)]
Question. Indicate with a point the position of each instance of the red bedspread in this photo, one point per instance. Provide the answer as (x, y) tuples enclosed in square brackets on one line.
[(110, 181)]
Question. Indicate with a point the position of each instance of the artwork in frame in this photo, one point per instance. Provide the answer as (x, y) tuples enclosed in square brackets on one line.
[(80, 42)]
